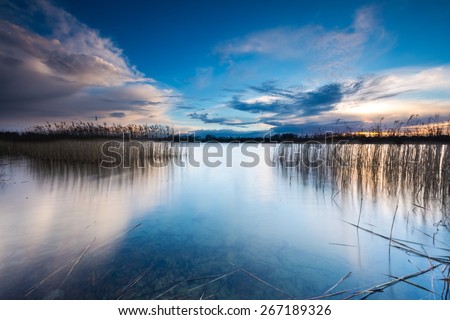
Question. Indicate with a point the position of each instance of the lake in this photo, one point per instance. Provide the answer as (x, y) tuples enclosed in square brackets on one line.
[(228, 226)]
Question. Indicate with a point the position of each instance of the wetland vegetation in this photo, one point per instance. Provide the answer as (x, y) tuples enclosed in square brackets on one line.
[(327, 220)]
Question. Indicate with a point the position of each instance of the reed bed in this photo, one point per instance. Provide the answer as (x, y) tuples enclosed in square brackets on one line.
[(92, 130), (422, 170), (419, 172), (441, 261), (90, 151)]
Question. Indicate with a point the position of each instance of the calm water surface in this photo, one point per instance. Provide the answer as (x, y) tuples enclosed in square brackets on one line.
[(79, 232)]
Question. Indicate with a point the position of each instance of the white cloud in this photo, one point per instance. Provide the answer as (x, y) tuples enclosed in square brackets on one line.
[(413, 82), (399, 93), (392, 94), (264, 99), (314, 45), (392, 109), (73, 71)]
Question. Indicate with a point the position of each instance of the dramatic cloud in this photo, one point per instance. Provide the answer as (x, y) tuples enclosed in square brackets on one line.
[(393, 95), (399, 93), (223, 121), (53, 67), (72, 71), (291, 103), (278, 105), (205, 118)]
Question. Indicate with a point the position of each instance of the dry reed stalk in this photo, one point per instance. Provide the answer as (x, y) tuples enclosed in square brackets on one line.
[(76, 262), (337, 283), (214, 280), (411, 283), (262, 281), (392, 225), (133, 283), (49, 276), (328, 295), (402, 246), (381, 287), (184, 281), (360, 211)]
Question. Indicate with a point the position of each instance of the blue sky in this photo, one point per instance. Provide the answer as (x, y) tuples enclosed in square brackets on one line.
[(224, 65)]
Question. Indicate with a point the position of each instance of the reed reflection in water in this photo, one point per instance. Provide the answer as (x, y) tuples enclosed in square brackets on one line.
[(420, 172), (76, 231)]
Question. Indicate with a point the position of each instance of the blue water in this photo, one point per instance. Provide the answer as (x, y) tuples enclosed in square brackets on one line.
[(75, 231)]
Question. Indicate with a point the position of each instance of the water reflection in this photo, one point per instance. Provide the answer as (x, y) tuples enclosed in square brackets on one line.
[(191, 232), (421, 172)]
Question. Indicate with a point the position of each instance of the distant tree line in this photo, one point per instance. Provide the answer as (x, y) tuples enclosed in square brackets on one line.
[(413, 130), (325, 138)]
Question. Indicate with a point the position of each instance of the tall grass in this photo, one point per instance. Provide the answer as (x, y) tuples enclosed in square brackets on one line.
[(96, 130), (423, 170), (89, 150)]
